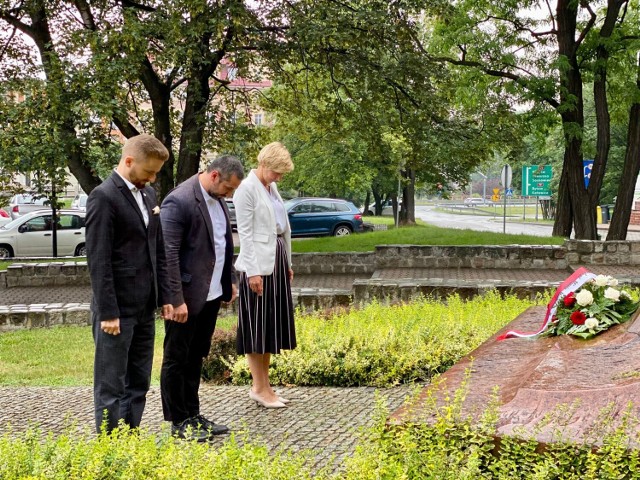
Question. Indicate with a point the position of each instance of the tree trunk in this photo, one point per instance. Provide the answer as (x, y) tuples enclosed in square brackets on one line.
[(624, 202), (580, 206), (160, 95), (377, 196), (367, 200), (563, 223), (408, 208), (198, 92)]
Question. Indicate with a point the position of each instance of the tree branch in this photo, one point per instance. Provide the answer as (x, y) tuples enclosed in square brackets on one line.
[(590, 23), (137, 6)]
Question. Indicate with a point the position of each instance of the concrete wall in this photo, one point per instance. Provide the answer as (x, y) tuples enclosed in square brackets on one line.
[(573, 253)]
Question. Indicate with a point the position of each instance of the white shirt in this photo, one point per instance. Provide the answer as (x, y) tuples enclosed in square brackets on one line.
[(280, 213), (219, 223), (137, 194)]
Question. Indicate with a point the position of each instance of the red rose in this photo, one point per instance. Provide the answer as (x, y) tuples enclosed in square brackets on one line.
[(578, 318), (569, 300)]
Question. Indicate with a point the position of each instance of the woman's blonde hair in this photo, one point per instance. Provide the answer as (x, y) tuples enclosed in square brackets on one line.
[(276, 157)]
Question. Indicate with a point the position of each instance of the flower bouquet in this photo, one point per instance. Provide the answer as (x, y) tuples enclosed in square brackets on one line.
[(584, 305), (597, 306)]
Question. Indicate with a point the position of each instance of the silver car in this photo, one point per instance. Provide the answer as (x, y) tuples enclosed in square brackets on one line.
[(80, 202), (30, 235), (232, 213), (24, 203)]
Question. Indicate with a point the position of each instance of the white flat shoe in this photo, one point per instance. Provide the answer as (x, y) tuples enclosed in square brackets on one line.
[(260, 401)]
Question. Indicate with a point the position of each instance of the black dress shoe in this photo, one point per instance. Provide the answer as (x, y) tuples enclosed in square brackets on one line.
[(190, 429), (209, 426)]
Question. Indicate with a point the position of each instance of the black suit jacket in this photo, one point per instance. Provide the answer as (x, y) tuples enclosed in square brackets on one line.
[(126, 259), (190, 248)]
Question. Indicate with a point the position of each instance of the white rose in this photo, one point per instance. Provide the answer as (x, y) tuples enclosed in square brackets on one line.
[(601, 280), (591, 323), (584, 298), (612, 294), (624, 294), (613, 282)]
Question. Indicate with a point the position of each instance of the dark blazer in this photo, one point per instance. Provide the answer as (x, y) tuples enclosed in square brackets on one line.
[(190, 248), (126, 259)]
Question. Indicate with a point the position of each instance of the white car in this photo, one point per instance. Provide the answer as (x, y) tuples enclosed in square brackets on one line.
[(30, 235), (473, 201), (79, 202)]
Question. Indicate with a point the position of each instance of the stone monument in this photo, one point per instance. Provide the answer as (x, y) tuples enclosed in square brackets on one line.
[(536, 377)]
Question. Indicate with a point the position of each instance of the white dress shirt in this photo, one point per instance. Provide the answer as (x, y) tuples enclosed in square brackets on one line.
[(137, 194), (219, 223), (279, 212)]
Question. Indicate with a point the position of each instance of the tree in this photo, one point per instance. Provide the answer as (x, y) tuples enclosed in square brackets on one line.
[(516, 43), (128, 65), (375, 89)]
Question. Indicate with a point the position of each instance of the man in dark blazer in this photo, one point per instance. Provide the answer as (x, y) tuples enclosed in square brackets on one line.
[(129, 280), (199, 250)]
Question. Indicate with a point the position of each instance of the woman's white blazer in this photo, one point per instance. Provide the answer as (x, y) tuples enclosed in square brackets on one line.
[(256, 222)]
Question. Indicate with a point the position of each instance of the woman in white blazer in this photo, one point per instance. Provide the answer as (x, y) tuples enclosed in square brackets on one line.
[(265, 318)]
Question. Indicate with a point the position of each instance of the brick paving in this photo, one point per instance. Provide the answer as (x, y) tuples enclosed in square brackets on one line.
[(31, 295), (321, 419), (472, 274)]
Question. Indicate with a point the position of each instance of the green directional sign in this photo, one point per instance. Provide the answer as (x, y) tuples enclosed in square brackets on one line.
[(536, 179)]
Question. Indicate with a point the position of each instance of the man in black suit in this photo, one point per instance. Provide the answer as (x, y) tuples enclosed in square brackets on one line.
[(199, 249), (129, 279)]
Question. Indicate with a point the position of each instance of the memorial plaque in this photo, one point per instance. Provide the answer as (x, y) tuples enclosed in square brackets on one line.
[(537, 376)]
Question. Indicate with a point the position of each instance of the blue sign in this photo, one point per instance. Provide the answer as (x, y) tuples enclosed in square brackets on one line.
[(587, 165), (509, 192)]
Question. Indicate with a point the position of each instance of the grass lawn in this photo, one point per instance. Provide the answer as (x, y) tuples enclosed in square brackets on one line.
[(418, 235), (61, 356)]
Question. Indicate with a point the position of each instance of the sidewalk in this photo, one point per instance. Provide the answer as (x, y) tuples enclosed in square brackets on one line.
[(324, 420)]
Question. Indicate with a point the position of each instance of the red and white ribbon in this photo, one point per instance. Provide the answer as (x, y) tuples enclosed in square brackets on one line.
[(571, 284)]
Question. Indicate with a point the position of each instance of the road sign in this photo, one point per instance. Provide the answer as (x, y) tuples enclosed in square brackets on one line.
[(536, 179), (505, 177), (509, 192), (587, 165)]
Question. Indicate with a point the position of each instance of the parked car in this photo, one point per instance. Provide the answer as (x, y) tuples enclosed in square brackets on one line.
[(24, 203), (232, 213), (30, 235), (4, 217), (323, 216), (473, 201), (79, 202)]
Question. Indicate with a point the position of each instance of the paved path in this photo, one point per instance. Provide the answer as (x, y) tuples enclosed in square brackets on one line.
[(324, 420)]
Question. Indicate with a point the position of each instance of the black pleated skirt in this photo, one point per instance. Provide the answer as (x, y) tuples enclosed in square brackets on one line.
[(265, 322)]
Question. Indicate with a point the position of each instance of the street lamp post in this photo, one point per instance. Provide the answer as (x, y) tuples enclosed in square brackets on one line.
[(484, 187)]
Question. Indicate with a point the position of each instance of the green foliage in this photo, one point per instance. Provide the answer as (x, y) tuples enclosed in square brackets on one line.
[(141, 456), (445, 445), (386, 345)]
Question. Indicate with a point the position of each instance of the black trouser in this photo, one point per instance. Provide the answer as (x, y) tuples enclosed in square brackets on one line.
[(185, 346), (122, 369)]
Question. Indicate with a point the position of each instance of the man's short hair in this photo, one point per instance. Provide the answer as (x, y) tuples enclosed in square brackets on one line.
[(226, 166), (276, 157), (143, 147)]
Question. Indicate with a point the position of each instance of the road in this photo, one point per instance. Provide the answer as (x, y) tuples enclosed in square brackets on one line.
[(479, 222), (494, 224)]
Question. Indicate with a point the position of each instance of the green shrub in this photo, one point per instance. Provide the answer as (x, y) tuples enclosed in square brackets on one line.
[(216, 366), (127, 456), (387, 345), (451, 447)]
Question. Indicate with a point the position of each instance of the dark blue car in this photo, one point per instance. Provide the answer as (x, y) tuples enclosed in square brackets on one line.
[(322, 216)]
